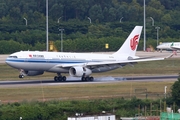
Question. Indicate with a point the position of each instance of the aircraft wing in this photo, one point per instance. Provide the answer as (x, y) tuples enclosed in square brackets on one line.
[(175, 48), (121, 62), (88, 64)]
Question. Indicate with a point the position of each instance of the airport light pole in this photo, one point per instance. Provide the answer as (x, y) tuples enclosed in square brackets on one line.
[(25, 20), (144, 26), (59, 19), (61, 39), (121, 19), (157, 34), (165, 87), (152, 21), (89, 19), (47, 42)]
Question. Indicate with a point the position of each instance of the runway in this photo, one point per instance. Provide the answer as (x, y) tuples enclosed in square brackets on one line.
[(3, 58), (97, 80)]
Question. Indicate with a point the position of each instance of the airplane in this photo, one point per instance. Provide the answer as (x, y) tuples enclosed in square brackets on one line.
[(169, 46), (32, 63)]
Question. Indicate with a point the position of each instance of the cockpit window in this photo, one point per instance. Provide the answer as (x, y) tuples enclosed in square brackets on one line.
[(12, 56)]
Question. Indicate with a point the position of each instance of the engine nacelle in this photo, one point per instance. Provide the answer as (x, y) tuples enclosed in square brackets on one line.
[(33, 73), (79, 71)]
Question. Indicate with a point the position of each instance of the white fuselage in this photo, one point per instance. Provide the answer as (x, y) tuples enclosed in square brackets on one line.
[(169, 46), (54, 61)]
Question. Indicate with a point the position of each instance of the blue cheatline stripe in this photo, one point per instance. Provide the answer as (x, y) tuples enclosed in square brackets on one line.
[(48, 61)]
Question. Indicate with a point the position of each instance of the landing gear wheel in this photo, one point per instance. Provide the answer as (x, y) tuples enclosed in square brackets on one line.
[(59, 78), (83, 78), (91, 79), (87, 78), (21, 76), (64, 78), (56, 78)]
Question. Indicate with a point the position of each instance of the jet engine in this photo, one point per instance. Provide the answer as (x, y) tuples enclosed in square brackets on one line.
[(79, 71), (33, 73)]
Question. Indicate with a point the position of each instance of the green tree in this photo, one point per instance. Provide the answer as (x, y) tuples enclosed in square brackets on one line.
[(134, 10), (112, 14), (166, 18), (96, 13), (56, 11), (176, 91), (3, 9), (15, 13)]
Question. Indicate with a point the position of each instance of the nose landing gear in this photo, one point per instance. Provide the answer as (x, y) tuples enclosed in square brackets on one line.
[(21, 76)]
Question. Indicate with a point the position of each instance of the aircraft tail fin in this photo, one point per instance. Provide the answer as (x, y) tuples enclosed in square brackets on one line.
[(129, 47)]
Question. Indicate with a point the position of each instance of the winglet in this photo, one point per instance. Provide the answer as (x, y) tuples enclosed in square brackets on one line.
[(172, 44)]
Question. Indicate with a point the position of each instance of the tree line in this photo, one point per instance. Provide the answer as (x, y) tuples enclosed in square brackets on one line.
[(92, 19), (53, 110), (77, 45), (98, 10)]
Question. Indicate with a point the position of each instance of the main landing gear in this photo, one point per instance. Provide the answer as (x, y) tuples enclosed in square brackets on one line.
[(60, 78), (63, 78), (87, 78)]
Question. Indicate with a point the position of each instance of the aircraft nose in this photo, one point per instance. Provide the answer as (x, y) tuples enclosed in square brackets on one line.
[(8, 62)]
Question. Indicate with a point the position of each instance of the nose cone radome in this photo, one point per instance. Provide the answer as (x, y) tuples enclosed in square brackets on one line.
[(8, 62)]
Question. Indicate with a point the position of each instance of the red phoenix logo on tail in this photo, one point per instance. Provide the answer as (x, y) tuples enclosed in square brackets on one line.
[(134, 42)]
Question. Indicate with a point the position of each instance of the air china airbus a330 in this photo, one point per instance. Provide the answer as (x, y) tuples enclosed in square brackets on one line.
[(31, 63)]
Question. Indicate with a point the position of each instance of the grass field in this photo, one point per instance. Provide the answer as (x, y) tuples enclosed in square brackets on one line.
[(92, 91), (127, 90), (169, 66)]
